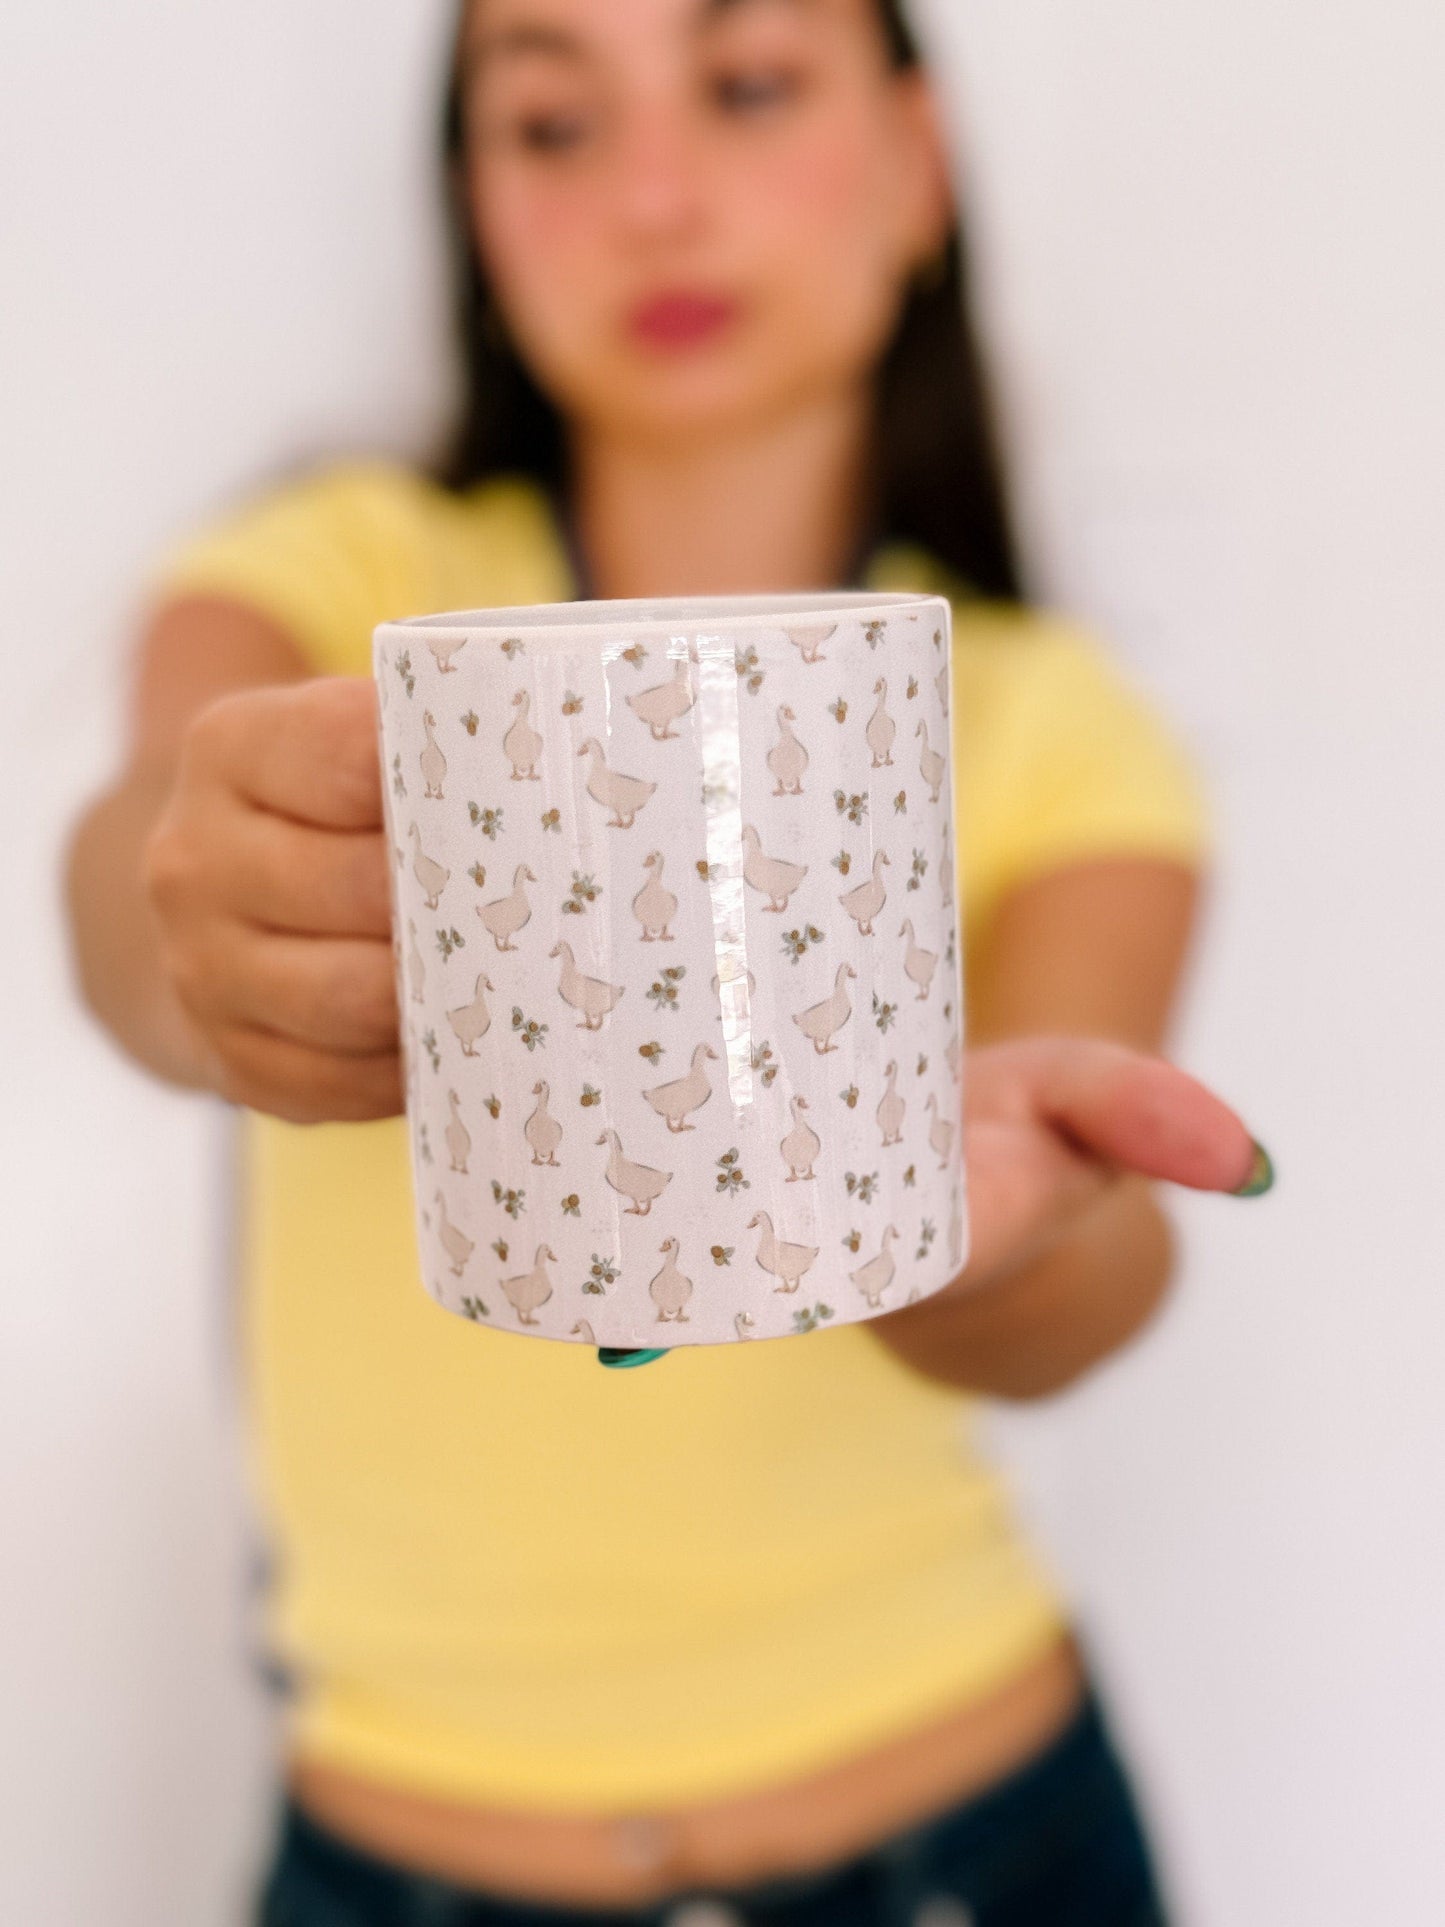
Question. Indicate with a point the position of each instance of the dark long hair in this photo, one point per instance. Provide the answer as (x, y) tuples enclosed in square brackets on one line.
[(939, 479)]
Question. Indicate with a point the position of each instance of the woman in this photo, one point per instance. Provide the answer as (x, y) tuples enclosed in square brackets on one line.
[(753, 1628)]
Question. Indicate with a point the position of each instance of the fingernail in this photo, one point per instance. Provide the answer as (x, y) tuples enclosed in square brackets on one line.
[(1261, 1174)]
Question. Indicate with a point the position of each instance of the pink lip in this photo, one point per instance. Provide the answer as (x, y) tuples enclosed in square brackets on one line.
[(680, 320)]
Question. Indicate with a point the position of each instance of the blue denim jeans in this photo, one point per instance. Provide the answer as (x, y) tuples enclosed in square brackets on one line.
[(1057, 1843)]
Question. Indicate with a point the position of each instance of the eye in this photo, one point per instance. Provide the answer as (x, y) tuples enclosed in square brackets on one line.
[(755, 91), (550, 133)]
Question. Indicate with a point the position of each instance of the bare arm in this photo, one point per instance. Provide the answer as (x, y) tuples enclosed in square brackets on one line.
[(1096, 949)]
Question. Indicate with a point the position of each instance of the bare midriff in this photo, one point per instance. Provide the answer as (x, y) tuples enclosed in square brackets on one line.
[(801, 1826)]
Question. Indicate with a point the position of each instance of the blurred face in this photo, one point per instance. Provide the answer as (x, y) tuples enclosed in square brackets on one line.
[(696, 215)]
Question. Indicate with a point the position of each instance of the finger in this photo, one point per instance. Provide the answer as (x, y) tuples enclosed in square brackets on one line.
[(308, 750), (335, 994), (276, 1074), (290, 876), (1140, 1112)]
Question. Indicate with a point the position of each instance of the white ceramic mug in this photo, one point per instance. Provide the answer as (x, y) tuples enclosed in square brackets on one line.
[(678, 961)]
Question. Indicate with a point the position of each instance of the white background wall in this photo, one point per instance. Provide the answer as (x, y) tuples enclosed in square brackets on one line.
[(1218, 290)]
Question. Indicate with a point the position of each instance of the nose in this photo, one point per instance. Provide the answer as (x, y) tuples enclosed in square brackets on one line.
[(658, 176)]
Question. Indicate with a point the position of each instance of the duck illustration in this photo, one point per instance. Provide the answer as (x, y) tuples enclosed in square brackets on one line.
[(918, 964), (881, 727), (819, 1021), (654, 907), (623, 795), (433, 763), (583, 1331), (459, 1138), (593, 996), (415, 965), (522, 745), (809, 640), (444, 648), (640, 1182), (541, 1130), (874, 1278), (786, 1262), (774, 876), (687, 1093), (431, 875), (669, 1288), (473, 1020), (504, 916), (930, 763), (891, 1106), (529, 1289), (660, 706), (865, 899), (459, 1246), (955, 1234), (940, 683), (801, 1144), (950, 1055), (940, 1132), (787, 758), (743, 1322)]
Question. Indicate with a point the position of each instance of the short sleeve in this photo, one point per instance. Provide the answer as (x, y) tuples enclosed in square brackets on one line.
[(1061, 757), (326, 556)]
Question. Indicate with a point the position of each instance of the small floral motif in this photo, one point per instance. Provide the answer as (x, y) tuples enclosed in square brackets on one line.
[(862, 1183), (635, 653), (948, 1010), (511, 1200), (590, 1096), (852, 1240), (908, 1175), (651, 1050), (501, 1247), (795, 942), (488, 821), (948, 951), (838, 709), (584, 891), (663, 991), (850, 1096), (469, 722), (450, 940), (763, 1062), (429, 1045), (938, 638), (552, 820), (730, 1173), (900, 803), (425, 1145), (912, 690), (883, 1014), (571, 703), (925, 1239), (572, 1205), (707, 871), (514, 646), (478, 874), (873, 633), (474, 1308), (398, 781), (533, 1033), (721, 1254), (492, 1105), (852, 806), (806, 1321), (922, 1065), (842, 863), (404, 670), (920, 868), (600, 1275), (747, 665)]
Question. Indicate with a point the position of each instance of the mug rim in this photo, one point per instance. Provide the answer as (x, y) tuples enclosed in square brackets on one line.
[(665, 612)]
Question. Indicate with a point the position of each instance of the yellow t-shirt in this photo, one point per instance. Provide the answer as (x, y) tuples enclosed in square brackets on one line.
[(502, 1572)]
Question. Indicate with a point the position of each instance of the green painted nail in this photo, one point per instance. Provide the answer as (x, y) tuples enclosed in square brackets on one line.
[(629, 1354), (1261, 1174)]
